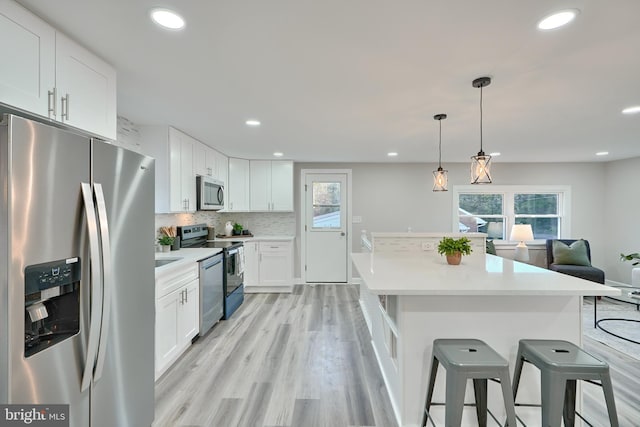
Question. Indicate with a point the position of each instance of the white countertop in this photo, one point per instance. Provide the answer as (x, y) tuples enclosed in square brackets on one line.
[(422, 274), (411, 234), (187, 255), (258, 237)]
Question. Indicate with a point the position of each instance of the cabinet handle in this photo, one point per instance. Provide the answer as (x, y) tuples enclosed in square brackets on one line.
[(51, 101), (182, 297), (186, 295), (64, 102)]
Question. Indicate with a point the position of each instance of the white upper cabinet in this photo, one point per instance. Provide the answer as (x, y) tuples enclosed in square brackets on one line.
[(205, 160), (210, 162), (85, 89), (175, 178), (27, 63), (260, 179), (271, 185), (45, 73), (238, 185), (282, 186), (222, 167)]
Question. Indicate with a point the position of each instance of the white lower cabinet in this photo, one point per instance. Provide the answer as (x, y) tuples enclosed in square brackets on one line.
[(268, 266), (177, 311), (251, 263)]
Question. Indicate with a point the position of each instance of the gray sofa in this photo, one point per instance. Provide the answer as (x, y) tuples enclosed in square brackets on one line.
[(584, 272)]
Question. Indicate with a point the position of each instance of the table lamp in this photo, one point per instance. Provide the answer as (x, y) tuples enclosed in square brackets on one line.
[(520, 233)]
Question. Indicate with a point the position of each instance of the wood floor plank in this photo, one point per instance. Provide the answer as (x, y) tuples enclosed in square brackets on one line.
[(306, 412)]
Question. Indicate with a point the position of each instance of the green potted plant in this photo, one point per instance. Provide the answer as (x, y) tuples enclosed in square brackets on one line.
[(631, 257), (166, 242), (454, 249), (635, 272), (237, 229)]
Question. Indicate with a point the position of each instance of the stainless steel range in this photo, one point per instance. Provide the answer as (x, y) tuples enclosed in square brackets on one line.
[(195, 236)]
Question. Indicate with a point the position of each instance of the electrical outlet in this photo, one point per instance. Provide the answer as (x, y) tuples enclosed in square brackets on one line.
[(428, 246), (356, 219)]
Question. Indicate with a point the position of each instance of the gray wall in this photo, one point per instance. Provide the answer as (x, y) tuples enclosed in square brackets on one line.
[(621, 216), (393, 197)]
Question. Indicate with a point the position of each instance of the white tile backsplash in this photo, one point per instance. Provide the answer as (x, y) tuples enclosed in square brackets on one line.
[(259, 223)]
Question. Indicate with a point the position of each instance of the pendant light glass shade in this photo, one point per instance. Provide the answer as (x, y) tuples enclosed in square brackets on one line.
[(481, 163), (440, 180), (440, 175), (481, 169)]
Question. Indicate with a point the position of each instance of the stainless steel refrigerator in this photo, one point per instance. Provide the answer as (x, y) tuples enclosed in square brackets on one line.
[(77, 298)]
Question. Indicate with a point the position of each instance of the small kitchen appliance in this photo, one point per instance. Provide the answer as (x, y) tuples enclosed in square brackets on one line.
[(209, 194)]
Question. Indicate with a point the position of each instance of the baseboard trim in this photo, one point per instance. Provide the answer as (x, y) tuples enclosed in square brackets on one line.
[(287, 289)]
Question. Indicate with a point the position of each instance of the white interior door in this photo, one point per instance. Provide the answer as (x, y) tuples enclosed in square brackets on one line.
[(325, 217)]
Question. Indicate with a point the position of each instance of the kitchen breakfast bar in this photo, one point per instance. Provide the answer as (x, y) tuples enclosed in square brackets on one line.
[(410, 298)]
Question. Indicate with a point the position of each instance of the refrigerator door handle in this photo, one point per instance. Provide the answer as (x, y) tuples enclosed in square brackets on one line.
[(96, 284), (106, 277)]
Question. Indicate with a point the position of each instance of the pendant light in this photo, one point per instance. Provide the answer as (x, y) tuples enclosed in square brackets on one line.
[(440, 175), (480, 164)]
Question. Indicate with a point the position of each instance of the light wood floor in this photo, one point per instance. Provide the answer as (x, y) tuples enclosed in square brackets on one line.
[(301, 359), (305, 360)]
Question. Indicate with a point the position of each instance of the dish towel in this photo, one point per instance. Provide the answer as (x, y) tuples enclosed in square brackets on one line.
[(240, 260)]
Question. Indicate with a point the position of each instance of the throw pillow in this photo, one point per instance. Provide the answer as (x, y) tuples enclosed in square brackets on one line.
[(574, 254), (491, 248)]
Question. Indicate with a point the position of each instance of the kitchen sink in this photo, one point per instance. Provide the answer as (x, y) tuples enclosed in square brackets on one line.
[(164, 261)]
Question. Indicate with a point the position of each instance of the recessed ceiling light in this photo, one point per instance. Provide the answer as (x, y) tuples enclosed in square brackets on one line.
[(253, 122), (167, 19), (557, 20), (602, 153), (392, 154), (278, 154), (494, 154), (631, 110)]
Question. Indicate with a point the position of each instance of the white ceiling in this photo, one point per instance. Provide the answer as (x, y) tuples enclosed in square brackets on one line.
[(350, 80)]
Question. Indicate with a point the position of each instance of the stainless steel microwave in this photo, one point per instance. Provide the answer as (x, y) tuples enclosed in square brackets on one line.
[(210, 193)]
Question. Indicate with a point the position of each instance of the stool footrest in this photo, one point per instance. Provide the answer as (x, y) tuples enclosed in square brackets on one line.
[(466, 404)]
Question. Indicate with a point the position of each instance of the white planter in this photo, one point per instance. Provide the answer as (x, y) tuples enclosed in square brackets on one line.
[(635, 277)]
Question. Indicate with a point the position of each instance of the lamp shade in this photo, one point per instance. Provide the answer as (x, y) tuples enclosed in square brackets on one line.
[(440, 180), (521, 232)]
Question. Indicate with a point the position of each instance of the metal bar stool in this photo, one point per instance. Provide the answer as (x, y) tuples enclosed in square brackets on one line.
[(561, 364), (468, 359)]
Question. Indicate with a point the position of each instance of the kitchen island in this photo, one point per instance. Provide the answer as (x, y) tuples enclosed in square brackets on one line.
[(411, 298)]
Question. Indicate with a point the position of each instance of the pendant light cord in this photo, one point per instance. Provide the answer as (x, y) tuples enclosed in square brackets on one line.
[(481, 119), (440, 147)]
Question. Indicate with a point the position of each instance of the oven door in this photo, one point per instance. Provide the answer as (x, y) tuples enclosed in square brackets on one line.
[(233, 271)]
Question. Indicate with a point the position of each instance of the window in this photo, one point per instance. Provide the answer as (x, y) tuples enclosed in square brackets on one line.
[(494, 210), (326, 205)]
